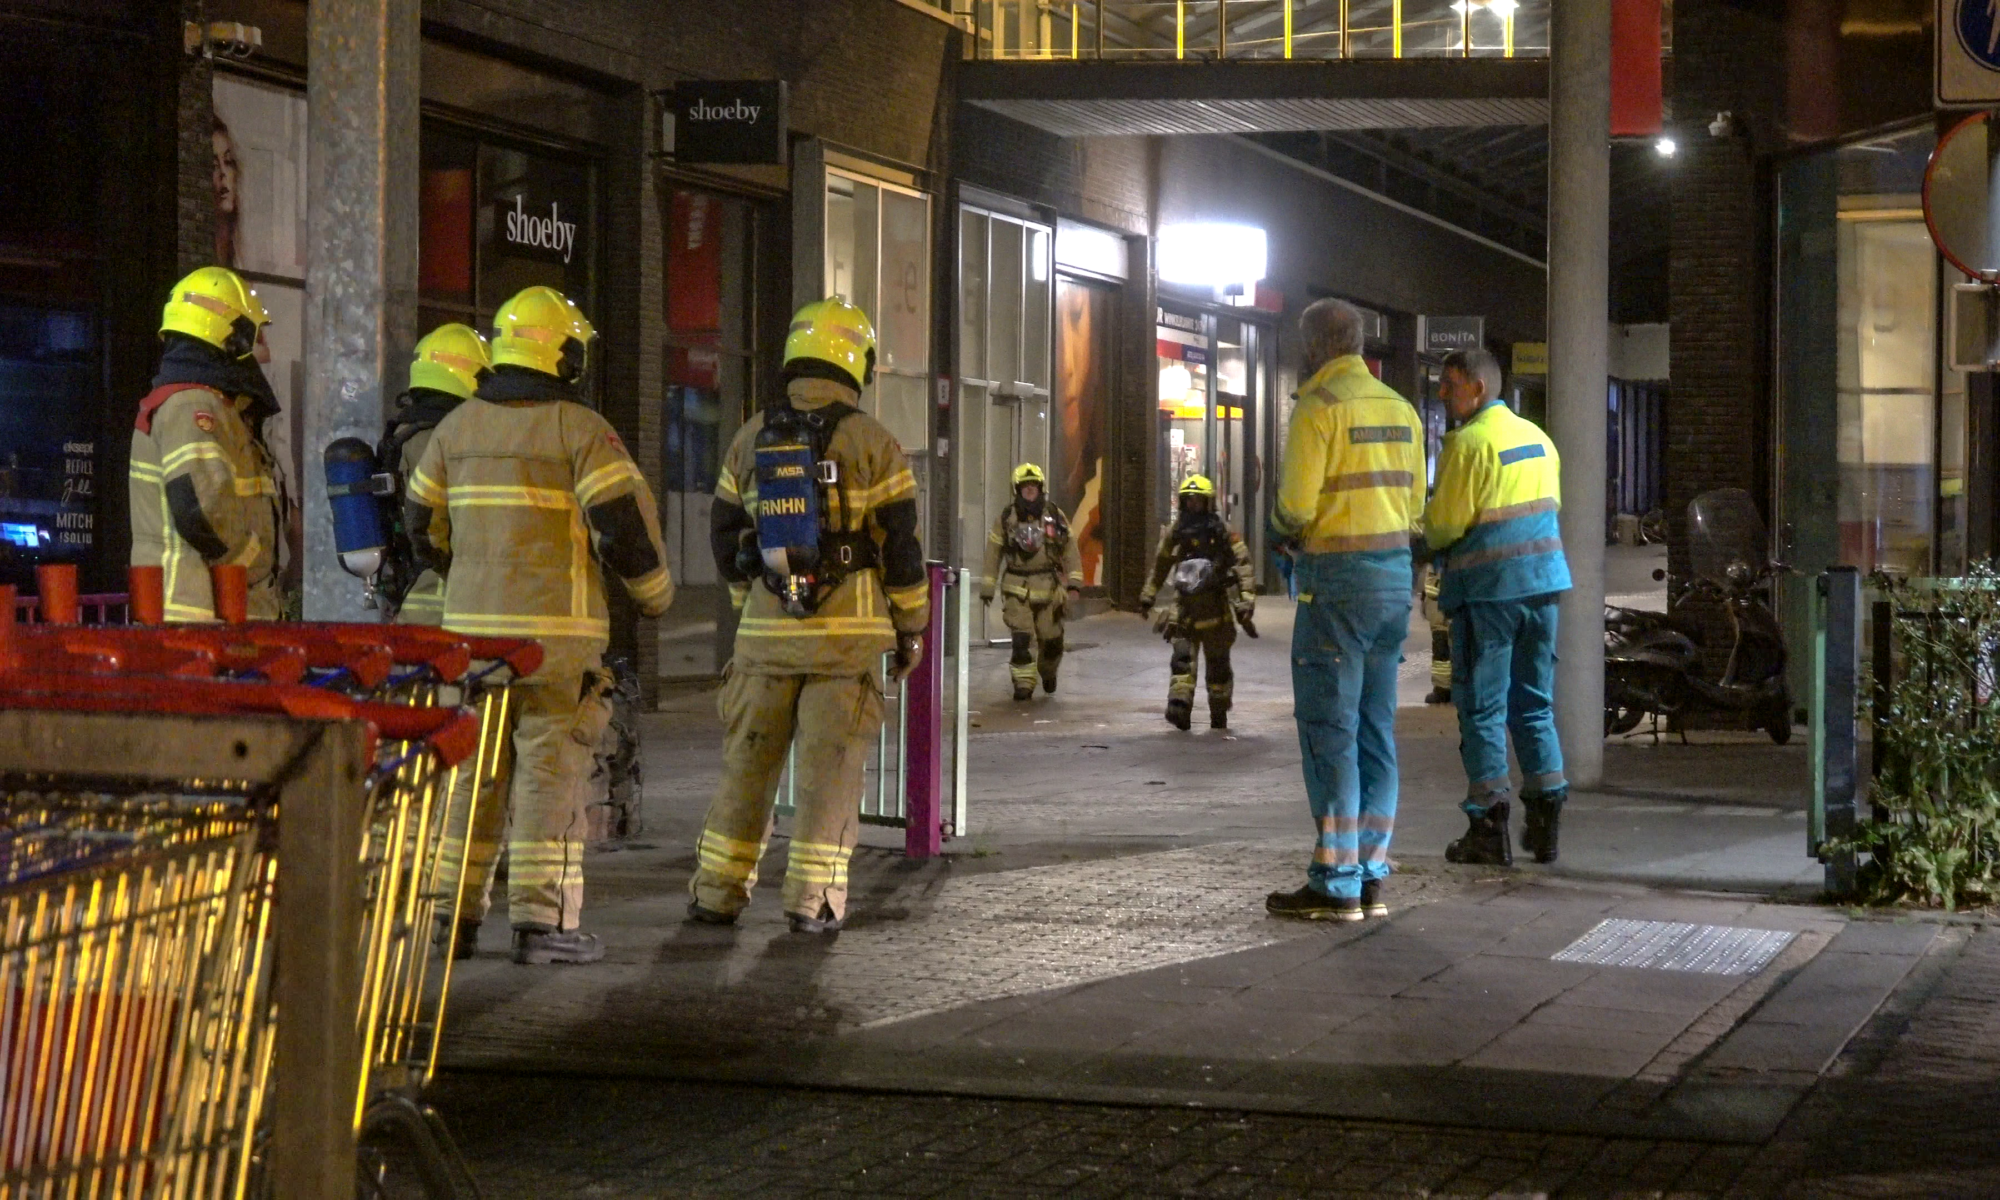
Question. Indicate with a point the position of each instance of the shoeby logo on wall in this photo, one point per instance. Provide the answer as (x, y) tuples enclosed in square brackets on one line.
[(726, 121), (543, 232)]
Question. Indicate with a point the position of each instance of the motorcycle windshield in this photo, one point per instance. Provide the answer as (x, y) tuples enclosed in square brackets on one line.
[(1727, 542)]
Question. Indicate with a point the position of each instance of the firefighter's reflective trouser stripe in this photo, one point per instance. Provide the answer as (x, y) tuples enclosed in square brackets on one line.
[(1037, 626), (424, 603), (833, 720), (1345, 651), (537, 799), (1504, 660), (1213, 639)]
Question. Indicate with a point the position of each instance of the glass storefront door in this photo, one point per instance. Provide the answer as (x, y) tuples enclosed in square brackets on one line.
[(709, 368), (1215, 377), (1005, 282)]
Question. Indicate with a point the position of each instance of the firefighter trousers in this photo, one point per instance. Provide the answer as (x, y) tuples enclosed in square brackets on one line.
[(537, 795), (831, 721), (1038, 638), (1212, 641)]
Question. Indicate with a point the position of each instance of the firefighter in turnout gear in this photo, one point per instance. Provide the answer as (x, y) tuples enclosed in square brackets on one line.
[(1032, 560), (204, 487), (1440, 624), (1214, 591), (451, 361), (814, 525), (521, 501)]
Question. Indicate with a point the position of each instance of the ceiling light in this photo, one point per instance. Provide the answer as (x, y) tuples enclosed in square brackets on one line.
[(1665, 147)]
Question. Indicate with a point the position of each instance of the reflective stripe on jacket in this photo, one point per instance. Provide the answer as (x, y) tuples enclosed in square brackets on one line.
[(204, 493), (423, 604), (1039, 577), (1352, 483), (857, 622), (1494, 517), (517, 503)]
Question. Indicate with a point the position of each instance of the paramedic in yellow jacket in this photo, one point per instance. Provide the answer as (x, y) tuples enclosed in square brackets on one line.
[(814, 525), (1033, 562), (1350, 498), (450, 363), (1203, 609), (204, 488), (520, 496)]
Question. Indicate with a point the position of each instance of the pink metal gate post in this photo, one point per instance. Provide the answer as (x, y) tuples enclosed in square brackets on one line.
[(923, 737)]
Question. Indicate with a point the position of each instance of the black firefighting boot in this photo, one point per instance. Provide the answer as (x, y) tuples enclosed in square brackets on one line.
[(1180, 713), (464, 937), (538, 945), (709, 916), (1024, 691), (825, 922), (1486, 839), (1218, 718), (1543, 821)]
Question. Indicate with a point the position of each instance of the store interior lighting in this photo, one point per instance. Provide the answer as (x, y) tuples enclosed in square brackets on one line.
[(1213, 255)]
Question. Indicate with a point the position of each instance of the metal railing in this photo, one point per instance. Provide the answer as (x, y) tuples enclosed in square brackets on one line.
[(1207, 30)]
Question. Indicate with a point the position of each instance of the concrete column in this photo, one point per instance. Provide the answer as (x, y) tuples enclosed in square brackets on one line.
[(1579, 280), (361, 258)]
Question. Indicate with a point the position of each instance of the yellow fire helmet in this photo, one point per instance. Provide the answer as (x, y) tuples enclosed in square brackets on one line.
[(1029, 473), (542, 330), (214, 305), (834, 331), (1198, 485), (451, 358)]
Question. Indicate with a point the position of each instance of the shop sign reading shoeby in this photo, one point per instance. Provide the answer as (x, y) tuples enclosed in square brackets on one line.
[(728, 121)]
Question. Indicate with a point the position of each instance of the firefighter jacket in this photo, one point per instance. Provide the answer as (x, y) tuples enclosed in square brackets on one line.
[(857, 622), (1493, 519), (1031, 558), (409, 434), (204, 493), (516, 502), (1352, 484), (1232, 581)]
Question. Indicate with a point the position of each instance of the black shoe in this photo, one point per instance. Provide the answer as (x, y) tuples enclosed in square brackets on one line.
[(464, 937), (708, 916), (1372, 904), (1439, 695), (1309, 905), (1049, 684), (538, 945), (1180, 714), (1486, 840), (1024, 691), (1542, 823), (1218, 718), (825, 922)]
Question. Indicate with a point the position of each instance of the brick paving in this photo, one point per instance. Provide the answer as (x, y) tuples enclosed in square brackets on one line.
[(1911, 1109)]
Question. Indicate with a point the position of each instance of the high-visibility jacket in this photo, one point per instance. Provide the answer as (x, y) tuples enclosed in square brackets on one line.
[(1493, 518), (204, 493), (1352, 484), (517, 503), (857, 622), (1037, 576)]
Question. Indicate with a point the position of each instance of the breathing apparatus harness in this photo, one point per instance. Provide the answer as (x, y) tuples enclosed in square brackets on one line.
[(798, 547)]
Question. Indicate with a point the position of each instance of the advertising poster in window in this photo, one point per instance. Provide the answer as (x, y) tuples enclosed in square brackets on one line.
[(1083, 358), (259, 175), (49, 362)]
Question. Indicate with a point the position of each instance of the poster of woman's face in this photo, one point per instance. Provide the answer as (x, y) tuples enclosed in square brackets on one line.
[(258, 168)]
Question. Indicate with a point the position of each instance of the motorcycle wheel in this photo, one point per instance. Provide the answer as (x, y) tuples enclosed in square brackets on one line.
[(1778, 723), (1621, 718)]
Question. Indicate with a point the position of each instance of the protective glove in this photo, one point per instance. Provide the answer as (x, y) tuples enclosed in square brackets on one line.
[(1163, 619), (1073, 607), (1246, 612), (909, 652)]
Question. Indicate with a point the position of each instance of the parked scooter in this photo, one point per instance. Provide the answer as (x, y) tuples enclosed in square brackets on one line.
[(1653, 662)]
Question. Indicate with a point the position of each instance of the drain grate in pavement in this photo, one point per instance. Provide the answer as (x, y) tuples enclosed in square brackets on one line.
[(1676, 946)]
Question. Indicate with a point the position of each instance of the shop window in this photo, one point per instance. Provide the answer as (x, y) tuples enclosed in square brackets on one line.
[(50, 363), (709, 371), (878, 256), (495, 217)]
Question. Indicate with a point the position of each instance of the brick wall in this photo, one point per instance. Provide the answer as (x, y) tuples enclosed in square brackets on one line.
[(195, 124)]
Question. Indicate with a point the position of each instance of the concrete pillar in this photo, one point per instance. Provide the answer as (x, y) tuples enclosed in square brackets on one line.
[(361, 257), (1579, 280)]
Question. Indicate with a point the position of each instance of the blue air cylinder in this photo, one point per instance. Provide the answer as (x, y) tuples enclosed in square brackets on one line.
[(351, 488)]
